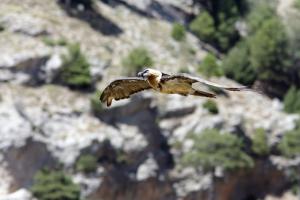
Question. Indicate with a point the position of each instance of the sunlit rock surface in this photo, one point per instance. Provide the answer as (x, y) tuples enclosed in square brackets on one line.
[(21, 194), (43, 124)]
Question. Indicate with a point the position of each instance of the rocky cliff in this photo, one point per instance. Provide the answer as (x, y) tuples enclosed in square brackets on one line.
[(138, 142)]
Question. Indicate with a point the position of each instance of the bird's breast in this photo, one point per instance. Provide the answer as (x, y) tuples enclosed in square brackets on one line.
[(153, 82)]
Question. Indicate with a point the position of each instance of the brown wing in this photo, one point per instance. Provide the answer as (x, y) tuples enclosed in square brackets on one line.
[(122, 89), (190, 79)]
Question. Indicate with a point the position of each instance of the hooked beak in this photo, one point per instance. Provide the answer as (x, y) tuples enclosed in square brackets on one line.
[(143, 74)]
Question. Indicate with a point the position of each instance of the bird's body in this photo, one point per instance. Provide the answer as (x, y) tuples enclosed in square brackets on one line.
[(154, 81), (181, 84), (176, 87)]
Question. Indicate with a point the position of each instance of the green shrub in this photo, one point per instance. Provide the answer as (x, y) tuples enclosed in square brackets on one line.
[(216, 25), (294, 179), (229, 8), (226, 34), (192, 51), (209, 66), (203, 27), (1, 27), (268, 50), (123, 158), (136, 60), (75, 71), (184, 70), (95, 103), (292, 100), (54, 185), (178, 32), (297, 4), (261, 12), (260, 143), (262, 56), (51, 42), (86, 163), (236, 65), (212, 149), (289, 145), (61, 42), (48, 41), (211, 106)]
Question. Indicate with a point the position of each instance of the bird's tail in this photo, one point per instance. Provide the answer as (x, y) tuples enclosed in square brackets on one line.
[(204, 94), (243, 88)]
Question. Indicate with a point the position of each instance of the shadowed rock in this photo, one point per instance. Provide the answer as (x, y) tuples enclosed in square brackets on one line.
[(23, 162), (91, 16)]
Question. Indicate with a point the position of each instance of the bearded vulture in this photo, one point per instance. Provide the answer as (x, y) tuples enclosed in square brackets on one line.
[(160, 82)]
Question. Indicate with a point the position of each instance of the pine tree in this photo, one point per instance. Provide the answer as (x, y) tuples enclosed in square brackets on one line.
[(54, 185), (76, 69)]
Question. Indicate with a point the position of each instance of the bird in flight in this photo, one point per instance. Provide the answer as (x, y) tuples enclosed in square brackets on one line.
[(164, 83)]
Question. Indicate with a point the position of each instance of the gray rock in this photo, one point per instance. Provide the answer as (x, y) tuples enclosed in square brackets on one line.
[(6, 179), (161, 9), (245, 109), (24, 23), (31, 157), (14, 129), (20, 60), (6, 76), (285, 163), (58, 123), (147, 169), (23, 67), (89, 183), (21, 194), (49, 71), (191, 180), (97, 68), (67, 135)]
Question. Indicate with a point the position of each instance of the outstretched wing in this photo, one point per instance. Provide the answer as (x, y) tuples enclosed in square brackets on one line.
[(122, 89), (191, 79)]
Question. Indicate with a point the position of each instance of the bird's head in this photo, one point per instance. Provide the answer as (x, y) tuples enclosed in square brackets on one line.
[(149, 72)]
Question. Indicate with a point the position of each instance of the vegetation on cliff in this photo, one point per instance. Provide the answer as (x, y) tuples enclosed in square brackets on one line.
[(213, 149), (54, 185)]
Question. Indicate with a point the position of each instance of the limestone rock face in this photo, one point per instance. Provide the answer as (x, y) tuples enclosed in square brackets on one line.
[(48, 71), (138, 142), (127, 190), (240, 112), (14, 128), (147, 169), (24, 24), (21, 194), (173, 11), (22, 162)]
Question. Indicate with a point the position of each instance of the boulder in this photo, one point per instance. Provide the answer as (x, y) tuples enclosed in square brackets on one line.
[(49, 70), (24, 23), (21, 194), (147, 169)]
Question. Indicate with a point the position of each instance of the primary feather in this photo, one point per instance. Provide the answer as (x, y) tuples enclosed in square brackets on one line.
[(122, 89)]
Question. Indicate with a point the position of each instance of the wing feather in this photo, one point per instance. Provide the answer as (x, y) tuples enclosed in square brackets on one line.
[(123, 88), (191, 79)]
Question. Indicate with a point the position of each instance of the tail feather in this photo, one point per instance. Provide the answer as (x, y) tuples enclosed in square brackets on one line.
[(243, 88), (204, 94)]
